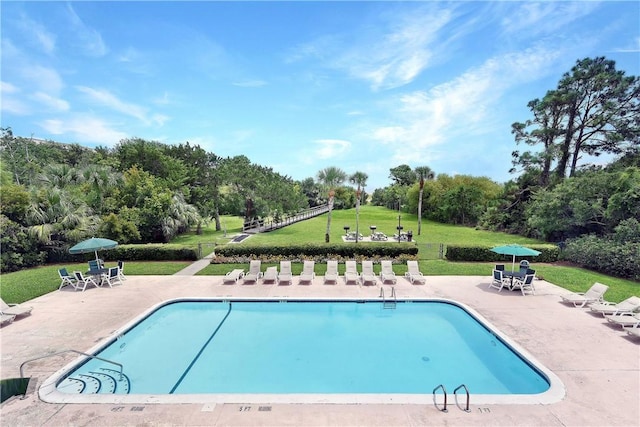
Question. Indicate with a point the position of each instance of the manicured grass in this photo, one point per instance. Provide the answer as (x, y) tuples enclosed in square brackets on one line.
[(386, 221), (24, 285)]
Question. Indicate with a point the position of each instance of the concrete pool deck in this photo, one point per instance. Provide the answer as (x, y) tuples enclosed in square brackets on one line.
[(598, 364)]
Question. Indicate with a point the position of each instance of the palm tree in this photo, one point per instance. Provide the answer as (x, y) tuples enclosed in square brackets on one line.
[(359, 179), (100, 180), (422, 173), (331, 177)]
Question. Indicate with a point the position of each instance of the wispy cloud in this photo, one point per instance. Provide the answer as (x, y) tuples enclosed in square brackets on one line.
[(331, 148), (426, 119), (40, 36), (53, 104), (392, 54), (530, 19), (109, 100), (43, 78), (250, 83), (88, 38), (84, 128), (631, 47)]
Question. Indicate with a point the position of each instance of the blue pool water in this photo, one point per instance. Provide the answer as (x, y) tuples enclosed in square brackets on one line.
[(193, 347)]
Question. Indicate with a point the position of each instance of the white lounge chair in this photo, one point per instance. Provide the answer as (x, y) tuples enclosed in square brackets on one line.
[(633, 331), (386, 274), (625, 320), (629, 305), (499, 281), (232, 277), (525, 284), (413, 273), (331, 275), (351, 276), (368, 277), (5, 319), (270, 276), (14, 309), (308, 273), (254, 272), (82, 282), (67, 279), (285, 275), (580, 299)]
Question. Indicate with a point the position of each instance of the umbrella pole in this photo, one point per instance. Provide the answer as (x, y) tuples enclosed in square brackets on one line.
[(513, 264)]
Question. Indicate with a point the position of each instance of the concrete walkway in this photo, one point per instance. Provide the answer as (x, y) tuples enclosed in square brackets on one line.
[(195, 267), (599, 365)]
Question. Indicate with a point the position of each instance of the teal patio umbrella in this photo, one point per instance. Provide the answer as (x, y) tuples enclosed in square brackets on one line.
[(515, 250), (93, 244)]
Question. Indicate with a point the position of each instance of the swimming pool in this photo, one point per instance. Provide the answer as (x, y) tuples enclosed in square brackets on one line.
[(318, 351)]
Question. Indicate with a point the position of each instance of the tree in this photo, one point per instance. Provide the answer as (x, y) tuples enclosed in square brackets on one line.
[(423, 173), (359, 179), (402, 175), (331, 177)]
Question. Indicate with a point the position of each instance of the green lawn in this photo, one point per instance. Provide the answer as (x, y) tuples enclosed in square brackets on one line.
[(24, 285)]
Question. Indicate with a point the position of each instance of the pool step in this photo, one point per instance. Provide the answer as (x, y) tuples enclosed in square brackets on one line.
[(107, 381)]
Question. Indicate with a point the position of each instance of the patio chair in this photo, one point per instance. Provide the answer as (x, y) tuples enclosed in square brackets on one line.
[(308, 273), (499, 281), (499, 267), (270, 276), (82, 282), (112, 277), (625, 320), (351, 276), (254, 272), (331, 275), (386, 274), (524, 284), (629, 305), (285, 275), (94, 265), (367, 277), (580, 299), (14, 309), (6, 319), (67, 279), (232, 277), (121, 270)]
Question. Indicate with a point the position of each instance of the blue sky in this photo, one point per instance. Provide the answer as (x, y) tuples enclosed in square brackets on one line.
[(299, 86)]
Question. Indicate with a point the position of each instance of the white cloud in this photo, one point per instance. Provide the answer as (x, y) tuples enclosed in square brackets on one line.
[(89, 39), (250, 83), (43, 79), (39, 34), (459, 108), (387, 58), (530, 19), (109, 100), (632, 47), (330, 148), (50, 102), (6, 87), (85, 129)]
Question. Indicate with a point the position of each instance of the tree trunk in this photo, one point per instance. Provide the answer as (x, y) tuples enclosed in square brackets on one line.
[(327, 234), (420, 207)]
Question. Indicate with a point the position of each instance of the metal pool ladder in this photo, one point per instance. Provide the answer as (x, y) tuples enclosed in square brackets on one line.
[(444, 391), (391, 302)]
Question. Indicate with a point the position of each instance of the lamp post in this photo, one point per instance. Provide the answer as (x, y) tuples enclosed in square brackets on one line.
[(357, 214), (399, 228)]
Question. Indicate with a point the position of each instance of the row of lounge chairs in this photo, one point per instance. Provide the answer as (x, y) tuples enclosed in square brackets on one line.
[(625, 313), (365, 277)]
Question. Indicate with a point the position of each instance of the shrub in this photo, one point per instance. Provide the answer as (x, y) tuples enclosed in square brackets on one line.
[(548, 253), (318, 252), (606, 255)]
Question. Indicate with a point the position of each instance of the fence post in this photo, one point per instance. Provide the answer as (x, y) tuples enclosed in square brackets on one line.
[(199, 250), (441, 252)]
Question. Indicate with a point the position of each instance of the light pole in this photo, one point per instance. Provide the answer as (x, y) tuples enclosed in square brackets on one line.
[(399, 228)]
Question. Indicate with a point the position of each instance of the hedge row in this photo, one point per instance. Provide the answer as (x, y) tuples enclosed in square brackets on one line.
[(229, 253), (606, 256), (147, 252), (548, 253)]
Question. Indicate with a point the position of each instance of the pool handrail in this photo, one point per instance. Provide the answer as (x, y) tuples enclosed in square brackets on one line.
[(67, 351)]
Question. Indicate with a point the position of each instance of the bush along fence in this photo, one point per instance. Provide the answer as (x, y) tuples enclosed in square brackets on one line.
[(146, 252), (548, 253), (317, 252)]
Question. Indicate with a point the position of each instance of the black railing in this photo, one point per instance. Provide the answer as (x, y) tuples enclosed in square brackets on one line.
[(264, 225)]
